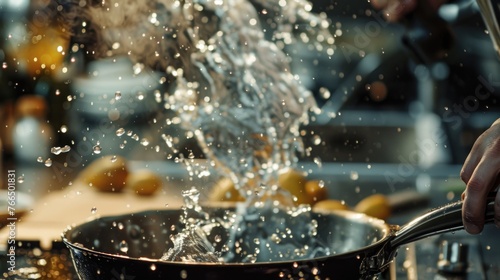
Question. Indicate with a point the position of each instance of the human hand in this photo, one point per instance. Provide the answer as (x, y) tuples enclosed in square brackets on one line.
[(395, 10), (481, 173)]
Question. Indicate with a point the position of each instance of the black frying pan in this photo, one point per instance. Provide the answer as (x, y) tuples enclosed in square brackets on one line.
[(362, 246)]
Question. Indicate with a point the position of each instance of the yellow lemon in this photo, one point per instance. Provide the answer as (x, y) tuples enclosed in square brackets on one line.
[(376, 205), (106, 174), (294, 182), (316, 191), (224, 190), (330, 204), (144, 182)]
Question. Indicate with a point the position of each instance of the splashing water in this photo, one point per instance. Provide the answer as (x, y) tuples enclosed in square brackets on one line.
[(191, 245), (245, 106), (233, 88)]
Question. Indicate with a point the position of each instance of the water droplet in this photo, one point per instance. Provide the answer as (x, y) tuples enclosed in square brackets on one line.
[(65, 149), (144, 142), (93, 210), (153, 267), (55, 150), (321, 184), (158, 98), (316, 140), (324, 93), (48, 162), (114, 158), (218, 238), (191, 198), (275, 238), (134, 231), (354, 175), (123, 246), (120, 131), (20, 179), (118, 95), (63, 129), (252, 258), (97, 149), (318, 161), (39, 159)]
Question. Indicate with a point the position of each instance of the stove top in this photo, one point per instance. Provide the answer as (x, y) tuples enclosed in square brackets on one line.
[(452, 256), (33, 262)]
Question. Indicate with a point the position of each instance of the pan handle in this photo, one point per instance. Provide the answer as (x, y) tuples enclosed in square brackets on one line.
[(446, 218)]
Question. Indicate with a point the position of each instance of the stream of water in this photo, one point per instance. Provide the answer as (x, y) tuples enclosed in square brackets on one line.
[(233, 87)]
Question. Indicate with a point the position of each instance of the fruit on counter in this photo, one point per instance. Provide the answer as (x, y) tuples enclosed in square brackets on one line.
[(311, 192), (224, 190), (376, 205), (330, 204), (294, 182), (107, 174), (143, 182), (315, 190), (291, 180)]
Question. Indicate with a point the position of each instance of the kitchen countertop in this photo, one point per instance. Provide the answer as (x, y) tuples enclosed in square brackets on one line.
[(77, 203), (73, 204), (69, 204)]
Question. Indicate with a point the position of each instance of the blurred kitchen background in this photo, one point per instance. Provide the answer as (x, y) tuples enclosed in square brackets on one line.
[(400, 109), (390, 94)]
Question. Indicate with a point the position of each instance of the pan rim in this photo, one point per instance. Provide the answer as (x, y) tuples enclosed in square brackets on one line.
[(386, 233)]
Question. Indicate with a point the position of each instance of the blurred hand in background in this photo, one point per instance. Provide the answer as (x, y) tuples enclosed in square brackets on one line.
[(395, 10)]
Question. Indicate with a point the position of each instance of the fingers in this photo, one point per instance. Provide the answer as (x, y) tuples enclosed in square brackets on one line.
[(474, 203), (481, 173), (497, 210), (379, 4), (394, 10), (485, 144), (470, 165)]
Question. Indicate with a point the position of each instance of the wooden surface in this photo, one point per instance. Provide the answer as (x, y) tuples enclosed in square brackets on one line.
[(73, 205)]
